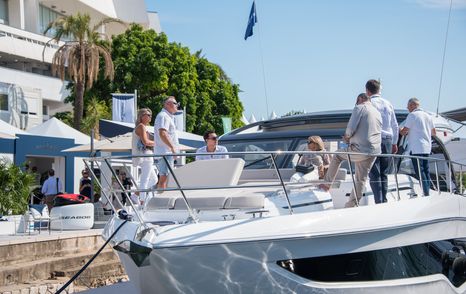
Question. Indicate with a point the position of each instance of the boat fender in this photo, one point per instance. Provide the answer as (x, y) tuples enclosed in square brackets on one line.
[(459, 265)]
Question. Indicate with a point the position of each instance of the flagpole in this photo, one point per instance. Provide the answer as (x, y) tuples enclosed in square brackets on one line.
[(263, 68)]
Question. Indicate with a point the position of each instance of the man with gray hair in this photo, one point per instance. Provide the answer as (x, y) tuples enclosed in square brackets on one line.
[(165, 138), (363, 135), (419, 127)]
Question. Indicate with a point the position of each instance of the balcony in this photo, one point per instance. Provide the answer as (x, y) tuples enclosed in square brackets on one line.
[(52, 89), (25, 44)]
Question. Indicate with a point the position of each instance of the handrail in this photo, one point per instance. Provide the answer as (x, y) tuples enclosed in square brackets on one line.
[(272, 154)]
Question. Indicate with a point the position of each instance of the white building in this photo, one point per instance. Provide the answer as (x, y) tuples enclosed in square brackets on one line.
[(29, 94)]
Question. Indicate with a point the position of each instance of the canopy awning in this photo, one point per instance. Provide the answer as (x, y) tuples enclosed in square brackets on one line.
[(116, 144)]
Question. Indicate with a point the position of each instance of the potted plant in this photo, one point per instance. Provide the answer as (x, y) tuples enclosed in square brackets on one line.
[(15, 191)]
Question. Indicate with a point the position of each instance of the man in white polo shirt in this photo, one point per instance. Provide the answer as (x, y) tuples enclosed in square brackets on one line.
[(165, 138), (419, 127)]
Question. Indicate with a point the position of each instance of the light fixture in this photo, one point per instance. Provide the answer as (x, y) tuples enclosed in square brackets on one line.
[(53, 6), (62, 11)]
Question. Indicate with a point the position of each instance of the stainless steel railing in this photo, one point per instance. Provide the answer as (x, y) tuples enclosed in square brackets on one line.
[(452, 170)]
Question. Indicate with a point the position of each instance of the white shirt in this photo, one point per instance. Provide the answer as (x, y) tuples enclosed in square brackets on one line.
[(164, 120), (50, 186), (389, 123), (420, 125), (218, 148)]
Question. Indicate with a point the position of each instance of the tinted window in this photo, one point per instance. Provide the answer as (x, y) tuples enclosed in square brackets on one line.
[(385, 264)]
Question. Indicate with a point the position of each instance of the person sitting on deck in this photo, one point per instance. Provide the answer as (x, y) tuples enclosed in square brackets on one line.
[(321, 161), (211, 140)]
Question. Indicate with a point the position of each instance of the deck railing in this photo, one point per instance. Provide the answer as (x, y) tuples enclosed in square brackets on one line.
[(446, 175)]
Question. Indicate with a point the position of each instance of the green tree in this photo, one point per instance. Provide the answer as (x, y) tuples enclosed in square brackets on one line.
[(146, 61), (80, 57), (16, 188), (95, 110)]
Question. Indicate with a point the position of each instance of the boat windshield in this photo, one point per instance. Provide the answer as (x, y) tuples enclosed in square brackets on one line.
[(260, 161)]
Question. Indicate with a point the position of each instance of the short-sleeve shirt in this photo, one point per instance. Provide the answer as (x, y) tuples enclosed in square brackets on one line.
[(164, 120), (218, 149), (420, 126)]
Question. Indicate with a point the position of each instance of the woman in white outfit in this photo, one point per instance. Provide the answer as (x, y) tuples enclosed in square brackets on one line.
[(143, 145)]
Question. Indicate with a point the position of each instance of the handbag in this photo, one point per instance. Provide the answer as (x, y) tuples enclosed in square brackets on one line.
[(304, 168)]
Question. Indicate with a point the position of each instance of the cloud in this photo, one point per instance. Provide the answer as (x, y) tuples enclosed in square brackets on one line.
[(442, 4)]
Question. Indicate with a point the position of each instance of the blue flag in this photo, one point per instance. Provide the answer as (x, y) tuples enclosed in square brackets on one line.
[(252, 20)]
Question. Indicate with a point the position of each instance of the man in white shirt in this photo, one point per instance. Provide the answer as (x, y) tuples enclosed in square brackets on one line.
[(211, 140), (419, 127), (165, 138), (382, 165), (51, 187)]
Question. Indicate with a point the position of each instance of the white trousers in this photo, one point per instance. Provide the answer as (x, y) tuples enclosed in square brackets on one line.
[(148, 177)]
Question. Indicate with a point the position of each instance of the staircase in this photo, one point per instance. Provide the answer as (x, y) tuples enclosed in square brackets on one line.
[(30, 262)]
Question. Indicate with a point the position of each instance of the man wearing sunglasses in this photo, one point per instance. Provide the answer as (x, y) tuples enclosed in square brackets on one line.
[(166, 138), (211, 140)]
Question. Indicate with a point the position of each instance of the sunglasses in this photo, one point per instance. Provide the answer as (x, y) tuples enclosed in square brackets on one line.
[(177, 104), (213, 138), (149, 115), (309, 142)]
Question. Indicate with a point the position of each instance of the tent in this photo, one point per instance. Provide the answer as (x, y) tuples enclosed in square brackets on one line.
[(120, 143), (110, 128), (58, 129), (7, 136), (8, 129)]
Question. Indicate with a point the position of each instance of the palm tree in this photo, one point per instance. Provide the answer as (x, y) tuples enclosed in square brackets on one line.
[(80, 55)]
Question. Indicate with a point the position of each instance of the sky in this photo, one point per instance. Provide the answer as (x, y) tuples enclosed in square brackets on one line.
[(317, 55)]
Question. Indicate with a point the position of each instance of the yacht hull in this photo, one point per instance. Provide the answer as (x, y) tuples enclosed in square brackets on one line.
[(217, 258)]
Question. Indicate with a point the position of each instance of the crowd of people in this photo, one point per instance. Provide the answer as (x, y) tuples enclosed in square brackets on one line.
[(372, 130)]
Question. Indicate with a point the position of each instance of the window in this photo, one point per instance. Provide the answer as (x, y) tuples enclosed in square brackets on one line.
[(384, 264), (4, 102), (4, 12), (46, 16)]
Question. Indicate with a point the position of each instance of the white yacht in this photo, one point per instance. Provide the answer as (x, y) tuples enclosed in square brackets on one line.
[(226, 226)]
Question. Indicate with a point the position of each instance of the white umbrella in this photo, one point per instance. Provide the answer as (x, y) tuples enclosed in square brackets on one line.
[(273, 115), (120, 143), (252, 119)]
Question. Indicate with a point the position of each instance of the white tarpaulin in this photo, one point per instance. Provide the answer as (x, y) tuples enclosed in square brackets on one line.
[(58, 129), (116, 144), (8, 129)]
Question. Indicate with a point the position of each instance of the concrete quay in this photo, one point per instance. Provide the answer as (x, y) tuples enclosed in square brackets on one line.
[(42, 263)]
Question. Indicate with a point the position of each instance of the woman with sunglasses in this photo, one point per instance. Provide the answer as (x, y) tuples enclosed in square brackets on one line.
[(321, 161), (211, 140), (143, 145)]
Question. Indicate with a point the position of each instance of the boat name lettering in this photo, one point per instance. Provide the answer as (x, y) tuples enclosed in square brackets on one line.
[(76, 217)]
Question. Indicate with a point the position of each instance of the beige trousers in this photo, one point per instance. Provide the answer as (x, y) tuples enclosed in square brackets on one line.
[(362, 166)]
